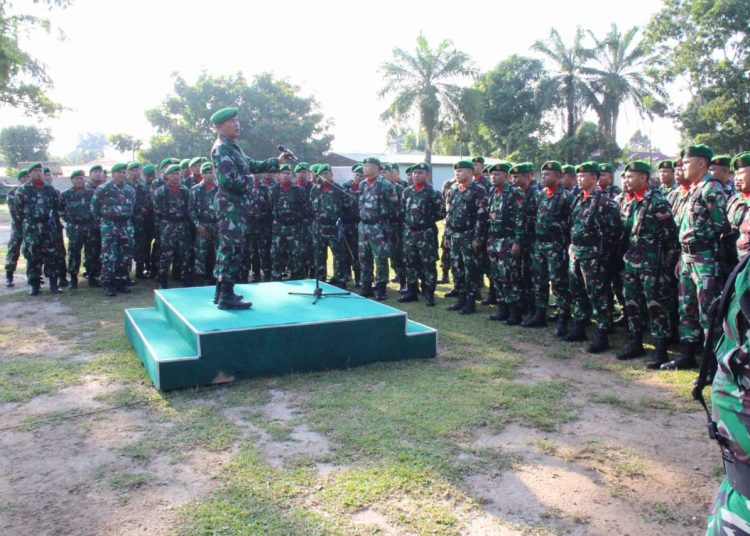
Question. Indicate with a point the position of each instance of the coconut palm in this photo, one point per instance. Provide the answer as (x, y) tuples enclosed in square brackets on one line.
[(423, 83)]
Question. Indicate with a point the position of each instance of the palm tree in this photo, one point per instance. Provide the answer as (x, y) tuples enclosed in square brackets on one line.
[(620, 77), (568, 64), (423, 83)]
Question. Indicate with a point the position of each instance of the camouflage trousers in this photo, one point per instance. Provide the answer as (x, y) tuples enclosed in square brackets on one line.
[(420, 256), (60, 249), (730, 514), (464, 265), (644, 300), (257, 250), (351, 258), (144, 235), (40, 249), (613, 273), (205, 251), (117, 250), (94, 266), (396, 239), (505, 269), (550, 267), (307, 249), (373, 247), (80, 239), (699, 285), (445, 253), (324, 241), (588, 290), (155, 247), (175, 247), (14, 245), (525, 268), (285, 251)]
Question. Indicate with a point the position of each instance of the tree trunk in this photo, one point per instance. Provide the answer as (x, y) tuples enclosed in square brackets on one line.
[(570, 99), (428, 146)]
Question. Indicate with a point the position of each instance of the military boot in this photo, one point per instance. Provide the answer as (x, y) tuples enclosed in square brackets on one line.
[(9, 278), (514, 317), (229, 300), (600, 342), (468, 308), (380, 293), (686, 359), (491, 297), (93, 281), (163, 281), (62, 282), (217, 293), (367, 290), (674, 322), (659, 355), (122, 286), (73, 281), (539, 320), (502, 313), (458, 305), (429, 295), (453, 293), (109, 290), (357, 279), (634, 348), (577, 333), (54, 285), (402, 284), (410, 295), (34, 287), (562, 325)]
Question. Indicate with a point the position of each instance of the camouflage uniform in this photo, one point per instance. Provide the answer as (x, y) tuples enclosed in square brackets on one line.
[(36, 206), (59, 238), (202, 211), (306, 235), (112, 207), (445, 246), (94, 265), (171, 206), (233, 168), (327, 206), (143, 218), (730, 252), (76, 211), (613, 263), (505, 227), (395, 232), (527, 248), (148, 240), (289, 208), (16, 231), (595, 226), (350, 220), (259, 221), (378, 202), (740, 218), (484, 266), (466, 217), (421, 209)]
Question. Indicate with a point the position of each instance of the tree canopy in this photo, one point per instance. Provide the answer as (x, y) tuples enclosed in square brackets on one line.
[(24, 144)]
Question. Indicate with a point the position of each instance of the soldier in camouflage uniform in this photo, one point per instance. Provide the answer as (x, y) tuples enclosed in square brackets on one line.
[(505, 227), (94, 266), (112, 207), (652, 248), (481, 177), (720, 170), (549, 259), (148, 238), (422, 207), (595, 226), (378, 203), (59, 235), (202, 211), (171, 204), (143, 207), (739, 215), (16, 229), (666, 177), (445, 244), (466, 218), (570, 180), (522, 175), (328, 205), (259, 221), (233, 173), (394, 228), (350, 220), (702, 224), (289, 208), (307, 253), (76, 211), (614, 263)]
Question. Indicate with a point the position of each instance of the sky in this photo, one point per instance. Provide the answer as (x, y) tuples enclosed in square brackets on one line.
[(118, 57)]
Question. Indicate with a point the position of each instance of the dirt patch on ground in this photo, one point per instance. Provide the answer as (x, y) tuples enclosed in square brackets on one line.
[(32, 328)]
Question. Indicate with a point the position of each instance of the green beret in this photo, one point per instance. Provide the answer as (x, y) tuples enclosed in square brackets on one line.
[(464, 164), (45, 169), (478, 159), (164, 163), (171, 169), (371, 160), (134, 165), (424, 166), (699, 150), (314, 168), (32, 167), (741, 160), (486, 168), (606, 168), (149, 169), (409, 170), (119, 167), (395, 167), (184, 164), (552, 165), (196, 160), (357, 168), (503, 165), (206, 166), (569, 168), (721, 160), (285, 167), (522, 167), (223, 115), (588, 167), (302, 166), (386, 166), (323, 167), (77, 173), (175, 161), (641, 166), (22, 173), (665, 164), (96, 167)]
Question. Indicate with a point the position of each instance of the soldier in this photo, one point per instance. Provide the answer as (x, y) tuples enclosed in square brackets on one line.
[(148, 238), (289, 208), (595, 226), (141, 212), (422, 207), (522, 174), (195, 169), (76, 211), (350, 220), (719, 168), (112, 207), (652, 249), (16, 229), (569, 180), (171, 204), (328, 205), (607, 180), (186, 176), (59, 238), (259, 219), (738, 213), (466, 217), (202, 211), (483, 268), (307, 254), (445, 245), (378, 205), (394, 228), (666, 177), (94, 266), (505, 228), (701, 226), (549, 261)]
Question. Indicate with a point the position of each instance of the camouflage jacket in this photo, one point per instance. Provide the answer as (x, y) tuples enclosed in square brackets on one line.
[(595, 225), (257, 205), (739, 220), (288, 207), (421, 209), (75, 205), (506, 213), (553, 216), (612, 191), (306, 189), (202, 204), (398, 216), (170, 205), (485, 182), (666, 189), (327, 207), (705, 217), (378, 201), (34, 204), (649, 229), (112, 202), (12, 200), (466, 211), (144, 206), (233, 167), (530, 201), (351, 212)]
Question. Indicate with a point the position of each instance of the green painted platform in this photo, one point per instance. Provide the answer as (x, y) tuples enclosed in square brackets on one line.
[(185, 341)]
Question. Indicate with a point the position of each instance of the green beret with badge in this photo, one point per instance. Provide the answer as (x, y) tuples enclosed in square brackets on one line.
[(323, 167), (164, 163), (640, 166), (224, 114), (552, 165), (588, 167), (422, 166), (478, 160), (409, 169), (119, 167), (77, 173), (302, 166), (569, 169), (503, 165), (184, 164), (172, 168), (464, 164), (206, 167), (134, 165), (606, 167), (721, 160), (741, 160), (285, 167), (149, 169), (372, 160), (357, 168), (699, 150), (32, 167), (96, 167), (666, 164), (22, 173), (522, 167), (196, 160)]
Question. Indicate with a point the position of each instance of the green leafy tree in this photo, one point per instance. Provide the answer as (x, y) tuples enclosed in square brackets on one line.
[(24, 81), (24, 144), (587, 143), (422, 83), (90, 147), (271, 112), (125, 143)]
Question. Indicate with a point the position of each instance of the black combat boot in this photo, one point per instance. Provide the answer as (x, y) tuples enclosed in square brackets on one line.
[(163, 281), (452, 293), (357, 279), (686, 359), (634, 348), (458, 305), (217, 293), (229, 300), (109, 290), (34, 288), (410, 295), (429, 295), (514, 317), (402, 284), (73, 281), (446, 278), (9, 278), (122, 286), (54, 286), (468, 308), (139, 271), (539, 320), (659, 355), (561, 328), (674, 320), (94, 282), (380, 293), (577, 333), (62, 282), (367, 290), (502, 313), (491, 297), (600, 342)]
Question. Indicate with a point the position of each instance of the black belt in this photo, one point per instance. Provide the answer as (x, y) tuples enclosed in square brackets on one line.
[(738, 472), (692, 249)]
